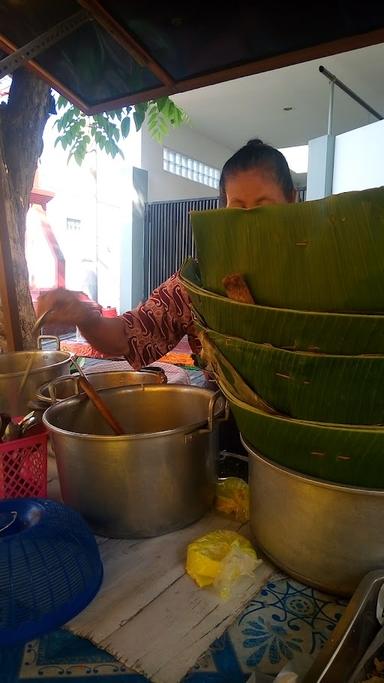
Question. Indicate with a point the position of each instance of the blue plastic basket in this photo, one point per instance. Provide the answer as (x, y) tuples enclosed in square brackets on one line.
[(50, 567)]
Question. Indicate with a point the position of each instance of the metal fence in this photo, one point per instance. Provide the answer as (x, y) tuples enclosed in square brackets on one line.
[(168, 238)]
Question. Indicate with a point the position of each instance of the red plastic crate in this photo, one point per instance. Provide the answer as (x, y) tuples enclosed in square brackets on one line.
[(23, 467)]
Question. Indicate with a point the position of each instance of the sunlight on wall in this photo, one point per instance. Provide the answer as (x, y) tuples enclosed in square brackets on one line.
[(297, 158)]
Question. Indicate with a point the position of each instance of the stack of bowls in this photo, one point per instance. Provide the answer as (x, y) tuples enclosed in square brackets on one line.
[(311, 347)]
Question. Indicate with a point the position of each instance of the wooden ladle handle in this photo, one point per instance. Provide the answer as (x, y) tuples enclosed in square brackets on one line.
[(100, 405)]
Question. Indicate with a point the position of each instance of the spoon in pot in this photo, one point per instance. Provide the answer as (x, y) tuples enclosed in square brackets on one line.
[(97, 401)]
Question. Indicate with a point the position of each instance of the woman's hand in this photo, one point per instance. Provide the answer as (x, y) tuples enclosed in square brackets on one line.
[(66, 307)]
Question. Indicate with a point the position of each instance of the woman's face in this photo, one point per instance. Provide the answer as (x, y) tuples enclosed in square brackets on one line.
[(248, 189)]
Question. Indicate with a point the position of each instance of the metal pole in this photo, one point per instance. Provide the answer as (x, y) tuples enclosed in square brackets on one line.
[(349, 92), (330, 106)]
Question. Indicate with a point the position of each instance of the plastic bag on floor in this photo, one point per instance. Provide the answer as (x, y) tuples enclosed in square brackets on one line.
[(219, 558), (232, 497)]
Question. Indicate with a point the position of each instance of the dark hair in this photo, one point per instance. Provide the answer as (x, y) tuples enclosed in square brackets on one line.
[(255, 154)]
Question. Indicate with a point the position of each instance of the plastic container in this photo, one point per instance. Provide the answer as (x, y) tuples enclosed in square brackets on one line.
[(23, 467)]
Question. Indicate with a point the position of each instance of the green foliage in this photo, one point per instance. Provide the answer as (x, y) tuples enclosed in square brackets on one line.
[(79, 134)]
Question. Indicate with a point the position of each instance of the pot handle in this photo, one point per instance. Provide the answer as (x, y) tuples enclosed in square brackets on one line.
[(218, 411), (157, 370), (52, 387), (52, 337)]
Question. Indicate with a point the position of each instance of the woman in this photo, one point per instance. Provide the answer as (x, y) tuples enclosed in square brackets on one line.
[(256, 175)]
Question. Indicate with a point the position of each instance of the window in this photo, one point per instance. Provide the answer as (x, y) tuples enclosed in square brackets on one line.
[(184, 166), (73, 225)]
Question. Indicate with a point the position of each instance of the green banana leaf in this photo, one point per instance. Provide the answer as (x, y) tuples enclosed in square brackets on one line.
[(308, 386), (339, 453), (335, 333), (324, 255), (226, 373)]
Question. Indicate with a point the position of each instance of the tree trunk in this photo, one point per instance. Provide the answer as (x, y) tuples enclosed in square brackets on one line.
[(22, 123)]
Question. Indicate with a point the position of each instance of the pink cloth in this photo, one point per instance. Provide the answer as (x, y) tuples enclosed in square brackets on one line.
[(155, 327)]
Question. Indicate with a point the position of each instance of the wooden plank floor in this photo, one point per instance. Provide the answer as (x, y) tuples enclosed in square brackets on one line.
[(149, 613)]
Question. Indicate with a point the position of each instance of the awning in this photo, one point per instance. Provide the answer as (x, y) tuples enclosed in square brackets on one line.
[(103, 54)]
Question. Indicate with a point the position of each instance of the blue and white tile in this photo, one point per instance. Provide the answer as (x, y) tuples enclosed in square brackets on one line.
[(284, 622)]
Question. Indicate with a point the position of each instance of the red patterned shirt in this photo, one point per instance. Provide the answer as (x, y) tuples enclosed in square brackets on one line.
[(156, 326)]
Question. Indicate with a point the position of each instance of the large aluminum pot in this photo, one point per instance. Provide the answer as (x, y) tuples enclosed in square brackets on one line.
[(326, 535), (67, 386), (46, 366), (157, 478)]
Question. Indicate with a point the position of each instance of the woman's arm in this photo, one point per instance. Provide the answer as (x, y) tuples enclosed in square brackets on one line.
[(142, 335)]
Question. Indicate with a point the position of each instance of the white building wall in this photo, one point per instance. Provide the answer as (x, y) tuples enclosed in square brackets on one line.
[(359, 159), (163, 185)]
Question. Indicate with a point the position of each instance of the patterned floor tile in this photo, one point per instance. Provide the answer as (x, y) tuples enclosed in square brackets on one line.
[(284, 622)]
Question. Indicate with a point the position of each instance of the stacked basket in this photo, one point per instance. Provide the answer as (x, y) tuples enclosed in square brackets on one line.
[(303, 367), (312, 347)]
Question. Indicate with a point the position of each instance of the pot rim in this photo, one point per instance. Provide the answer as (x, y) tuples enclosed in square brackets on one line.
[(307, 478), (65, 378), (184, 429), (19, 373)]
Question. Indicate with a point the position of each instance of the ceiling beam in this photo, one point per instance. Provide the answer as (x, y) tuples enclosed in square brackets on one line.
[(7, 46), (126, 40), (34, 47)]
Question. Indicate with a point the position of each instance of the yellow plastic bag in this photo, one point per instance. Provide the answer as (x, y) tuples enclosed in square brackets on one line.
[(232, 497), (219, 559)]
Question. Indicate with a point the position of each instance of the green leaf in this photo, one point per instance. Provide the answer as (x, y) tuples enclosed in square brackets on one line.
[(307, 255), (308, 386), (329, 333), (79, 157), (138, 117), (142, 106), (125, 126), (158, 125), (61, 102), (291, 442), (110, 126), (163, 104)]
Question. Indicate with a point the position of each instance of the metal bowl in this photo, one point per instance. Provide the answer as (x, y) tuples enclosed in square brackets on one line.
[(46, 366), (326, 535)]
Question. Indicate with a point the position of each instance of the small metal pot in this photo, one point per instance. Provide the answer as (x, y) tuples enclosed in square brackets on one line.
[(67, 386), (158, 477), (326, 535), (46, 366)]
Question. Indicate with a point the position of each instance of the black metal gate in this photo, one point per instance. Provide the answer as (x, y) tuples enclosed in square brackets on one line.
[(168, 238)]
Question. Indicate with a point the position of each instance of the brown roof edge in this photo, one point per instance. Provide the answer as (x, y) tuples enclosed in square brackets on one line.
[(277, 62)]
